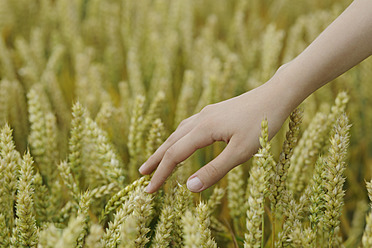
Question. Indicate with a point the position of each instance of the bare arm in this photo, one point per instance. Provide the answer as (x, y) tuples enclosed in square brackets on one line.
[(345, 43), (342, 45)]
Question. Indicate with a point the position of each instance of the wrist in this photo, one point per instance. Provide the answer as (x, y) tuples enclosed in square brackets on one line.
[(283, 86)]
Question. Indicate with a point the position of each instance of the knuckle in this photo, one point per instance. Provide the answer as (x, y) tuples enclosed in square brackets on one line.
[(239, 148), (170, 154), (183, 123), (170, 140), (206, 109), (203, 126), (206, 128), (186, 122), (242, 153), (211, 170)]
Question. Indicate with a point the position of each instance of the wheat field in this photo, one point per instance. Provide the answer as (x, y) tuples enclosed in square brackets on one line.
[(89, 89)]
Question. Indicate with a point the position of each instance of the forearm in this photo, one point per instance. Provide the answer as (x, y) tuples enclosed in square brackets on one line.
[(345, 43)]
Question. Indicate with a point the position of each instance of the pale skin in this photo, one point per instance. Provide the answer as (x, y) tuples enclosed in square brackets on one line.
[(342, 45)]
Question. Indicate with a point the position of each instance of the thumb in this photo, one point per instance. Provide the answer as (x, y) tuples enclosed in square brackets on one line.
[(212, 172)]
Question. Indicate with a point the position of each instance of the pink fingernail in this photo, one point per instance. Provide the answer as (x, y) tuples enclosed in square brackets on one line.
[(194, 184), (142, 167)]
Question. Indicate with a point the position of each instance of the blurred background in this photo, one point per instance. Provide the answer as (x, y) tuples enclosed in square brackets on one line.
[(179, 56)]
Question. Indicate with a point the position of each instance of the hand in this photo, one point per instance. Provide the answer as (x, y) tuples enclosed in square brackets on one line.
[(236, 121)]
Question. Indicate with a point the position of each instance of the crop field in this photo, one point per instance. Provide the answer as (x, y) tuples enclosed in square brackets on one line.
[(90, 88)]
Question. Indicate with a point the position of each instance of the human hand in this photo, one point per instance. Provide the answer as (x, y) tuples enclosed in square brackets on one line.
[(236, 121)]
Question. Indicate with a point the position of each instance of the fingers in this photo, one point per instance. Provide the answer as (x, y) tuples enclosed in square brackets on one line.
[(182, 149), (150, 165), (212, 172)]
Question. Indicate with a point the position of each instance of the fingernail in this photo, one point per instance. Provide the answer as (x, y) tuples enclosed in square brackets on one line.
[(142, 167), (147, 190), (194, 184)]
